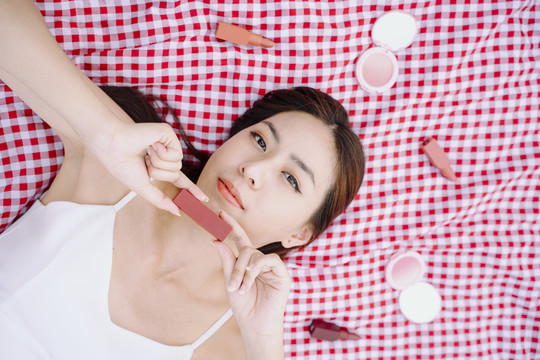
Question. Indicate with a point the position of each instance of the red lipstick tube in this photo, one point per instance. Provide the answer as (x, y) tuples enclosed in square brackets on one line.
[(241, 36), (323, 330), (202, 215), (438, 158)]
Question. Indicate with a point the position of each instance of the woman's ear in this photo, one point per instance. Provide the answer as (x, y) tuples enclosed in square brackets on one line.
[(300, 238)]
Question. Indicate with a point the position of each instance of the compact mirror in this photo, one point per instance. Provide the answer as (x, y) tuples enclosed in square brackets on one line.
[(377, 68), (421, 303), (404, 269), (418, 301), (394, 31)]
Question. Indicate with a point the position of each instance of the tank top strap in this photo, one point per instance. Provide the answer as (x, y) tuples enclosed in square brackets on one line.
[(124, 201), (222, 320)]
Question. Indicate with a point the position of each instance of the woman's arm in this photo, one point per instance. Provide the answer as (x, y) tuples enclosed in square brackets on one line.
[(36, 68), (31, 59)]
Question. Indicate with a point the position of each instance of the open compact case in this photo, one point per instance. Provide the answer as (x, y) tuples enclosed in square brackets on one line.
[(418, 301), (377, 68)]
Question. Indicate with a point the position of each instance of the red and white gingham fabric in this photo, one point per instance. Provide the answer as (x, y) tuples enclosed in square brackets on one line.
[(469, 79)]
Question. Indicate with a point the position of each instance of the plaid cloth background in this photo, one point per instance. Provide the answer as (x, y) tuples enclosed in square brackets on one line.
[(470, 80)]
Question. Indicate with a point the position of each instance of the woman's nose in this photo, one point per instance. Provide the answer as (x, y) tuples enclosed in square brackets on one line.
[(254, 172)]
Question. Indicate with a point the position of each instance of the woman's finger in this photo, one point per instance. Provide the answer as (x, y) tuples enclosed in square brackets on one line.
[(251, 272), (172, 154), (156, 197), (183, 182), (237, 234), (162, 175), (227, 259), (158, 162), (177, 178), (262, 265), (239, 274)]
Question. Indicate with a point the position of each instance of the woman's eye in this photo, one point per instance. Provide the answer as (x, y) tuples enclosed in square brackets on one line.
[(259, 140), (294, 183)]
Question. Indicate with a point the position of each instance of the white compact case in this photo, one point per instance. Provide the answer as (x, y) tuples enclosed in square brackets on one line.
[(418, 301), (377, 68)]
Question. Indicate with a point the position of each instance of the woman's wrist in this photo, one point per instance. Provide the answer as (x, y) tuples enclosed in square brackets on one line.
[(97, 129), (98, 138), (265, 342), (264, 348)]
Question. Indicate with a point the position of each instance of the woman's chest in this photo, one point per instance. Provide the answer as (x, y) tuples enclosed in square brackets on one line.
[(172, 305), (163, 312)]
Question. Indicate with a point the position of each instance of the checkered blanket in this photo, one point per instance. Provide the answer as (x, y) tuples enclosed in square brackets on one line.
[(470, 79)]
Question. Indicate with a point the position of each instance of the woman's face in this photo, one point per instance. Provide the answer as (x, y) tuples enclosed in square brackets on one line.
[(272, 176)]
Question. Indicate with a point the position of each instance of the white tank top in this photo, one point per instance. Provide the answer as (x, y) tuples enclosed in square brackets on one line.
[(55, 268)]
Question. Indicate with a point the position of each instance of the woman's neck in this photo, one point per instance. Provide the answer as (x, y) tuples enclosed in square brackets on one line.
[(182, 251)]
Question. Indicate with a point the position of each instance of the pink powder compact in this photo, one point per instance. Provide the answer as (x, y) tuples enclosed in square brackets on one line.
[(405, 269), (418, 301), (377, 68)]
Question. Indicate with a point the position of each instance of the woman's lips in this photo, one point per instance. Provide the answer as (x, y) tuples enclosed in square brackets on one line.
[(229, 192)]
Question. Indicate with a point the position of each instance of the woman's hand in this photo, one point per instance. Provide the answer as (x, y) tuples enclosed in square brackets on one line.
[(137, 152), (258, 287)]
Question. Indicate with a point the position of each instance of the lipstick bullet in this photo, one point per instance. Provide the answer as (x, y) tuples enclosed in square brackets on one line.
[(323, 330), (438, 158), (241, 36)]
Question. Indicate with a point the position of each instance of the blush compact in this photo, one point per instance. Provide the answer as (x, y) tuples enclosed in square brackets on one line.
[(418, 301), (377, 68)]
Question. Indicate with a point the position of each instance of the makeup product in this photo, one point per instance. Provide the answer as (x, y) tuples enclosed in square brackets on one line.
[(241, 36), (421, 303), (438, 158), (404, 269), (323, 330), (418, 301), (202, 215), (377, 68)]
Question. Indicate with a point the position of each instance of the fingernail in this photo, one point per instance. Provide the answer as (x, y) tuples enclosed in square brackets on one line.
[(232, 286), (201, 195), (149, 150), (243, 289)]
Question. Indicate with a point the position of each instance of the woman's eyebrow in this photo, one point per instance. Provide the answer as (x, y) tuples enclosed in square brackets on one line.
[(304, 167), (272, 130)]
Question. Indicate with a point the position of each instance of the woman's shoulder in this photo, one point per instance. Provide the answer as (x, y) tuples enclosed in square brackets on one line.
[(83, 179)]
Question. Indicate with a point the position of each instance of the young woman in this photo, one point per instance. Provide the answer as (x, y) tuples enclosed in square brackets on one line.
[(92, 271)]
